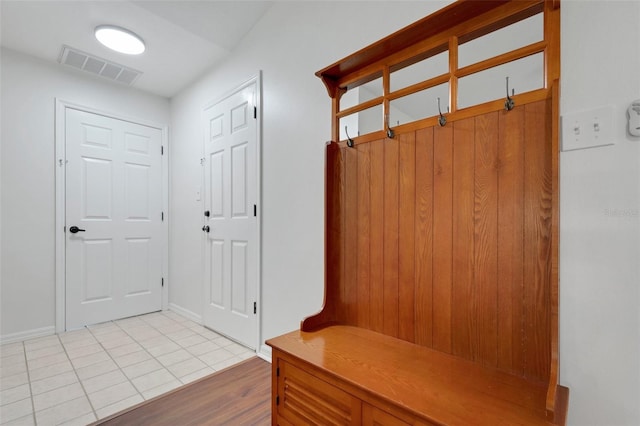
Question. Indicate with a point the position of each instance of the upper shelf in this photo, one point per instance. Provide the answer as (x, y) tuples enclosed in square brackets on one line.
[(462, 18)]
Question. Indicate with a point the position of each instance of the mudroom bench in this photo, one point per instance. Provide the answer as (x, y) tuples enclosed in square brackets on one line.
[(441, 230), (344, 375)]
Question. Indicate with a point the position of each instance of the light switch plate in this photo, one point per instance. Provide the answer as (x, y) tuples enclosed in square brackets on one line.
[(588, 129)]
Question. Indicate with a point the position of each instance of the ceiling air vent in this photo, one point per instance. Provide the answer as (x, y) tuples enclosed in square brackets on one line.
[(98, 66)]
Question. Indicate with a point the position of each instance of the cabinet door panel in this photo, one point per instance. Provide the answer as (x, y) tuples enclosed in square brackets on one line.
[(306, 399)]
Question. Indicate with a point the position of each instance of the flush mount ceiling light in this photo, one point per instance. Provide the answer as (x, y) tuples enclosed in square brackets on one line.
[(119, 39)]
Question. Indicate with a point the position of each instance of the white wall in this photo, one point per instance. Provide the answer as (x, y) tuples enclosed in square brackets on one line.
[(600, 219), (600, 254), (600, 188), (290, 43), (29, 87)]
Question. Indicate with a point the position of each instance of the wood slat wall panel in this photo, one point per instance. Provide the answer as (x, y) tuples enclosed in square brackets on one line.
[(350, 257), (444, 238), (464, 304), (377, 236), (391, 237), (442, 234), (423, 256), (510, 240), (537, 238), (340, 180), (364, 234), (486, 237), (406, 216)]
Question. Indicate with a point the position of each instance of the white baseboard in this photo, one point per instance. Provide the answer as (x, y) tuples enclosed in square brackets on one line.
[(26, 335), (265, 353), (185, 313)]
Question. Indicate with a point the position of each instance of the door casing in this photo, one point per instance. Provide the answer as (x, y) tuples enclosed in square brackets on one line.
[(60, 177)]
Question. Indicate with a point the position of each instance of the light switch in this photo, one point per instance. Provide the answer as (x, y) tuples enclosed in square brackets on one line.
[(588, 129)]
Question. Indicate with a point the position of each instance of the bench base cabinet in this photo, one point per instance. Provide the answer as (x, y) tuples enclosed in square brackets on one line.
[(303, 398)]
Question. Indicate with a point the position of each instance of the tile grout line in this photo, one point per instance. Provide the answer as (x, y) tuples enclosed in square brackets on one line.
[(117, 365), (165, 320), (195, 333), (75, 372), (150, 354), (31, 382), (175, 340), (198, 334), (26, 363), (116, 324)]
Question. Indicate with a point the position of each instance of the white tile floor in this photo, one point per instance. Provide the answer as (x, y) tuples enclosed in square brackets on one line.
[(77, 377)]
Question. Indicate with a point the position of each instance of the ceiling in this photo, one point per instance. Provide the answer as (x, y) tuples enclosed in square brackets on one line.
[(184, 38)]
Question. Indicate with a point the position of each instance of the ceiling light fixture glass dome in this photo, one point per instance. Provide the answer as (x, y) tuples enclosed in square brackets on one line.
[(120, 39)]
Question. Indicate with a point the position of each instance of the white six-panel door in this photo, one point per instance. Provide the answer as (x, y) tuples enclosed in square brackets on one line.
[(230, 277), (114, 197)]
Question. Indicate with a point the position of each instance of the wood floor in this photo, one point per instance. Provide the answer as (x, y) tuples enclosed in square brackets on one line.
[(239, 395)]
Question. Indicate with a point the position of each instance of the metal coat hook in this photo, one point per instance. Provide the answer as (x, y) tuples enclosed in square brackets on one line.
[(509, 103), (390, 133), (442, 120), (349, 140)]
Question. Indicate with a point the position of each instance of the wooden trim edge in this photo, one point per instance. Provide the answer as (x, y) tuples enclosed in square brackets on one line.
[(327, 313), (552, 397)]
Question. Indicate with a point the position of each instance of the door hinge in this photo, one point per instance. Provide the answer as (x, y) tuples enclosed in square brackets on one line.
[(161, 149), (277, 371), (255, 307), (162, 216), (255, 112), (64, 229), (162, 281), (277, 399), (255, 210)]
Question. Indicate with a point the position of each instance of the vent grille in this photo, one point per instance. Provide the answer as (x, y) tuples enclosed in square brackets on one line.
[(98, 66)]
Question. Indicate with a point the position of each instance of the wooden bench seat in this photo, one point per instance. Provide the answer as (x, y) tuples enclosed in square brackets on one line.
[(385, 376)]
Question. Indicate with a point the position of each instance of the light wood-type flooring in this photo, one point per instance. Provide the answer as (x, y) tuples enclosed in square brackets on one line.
[(239, 395)]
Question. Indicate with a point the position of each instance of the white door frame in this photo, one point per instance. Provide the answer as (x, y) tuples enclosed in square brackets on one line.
[(60, 178), (257, 80)]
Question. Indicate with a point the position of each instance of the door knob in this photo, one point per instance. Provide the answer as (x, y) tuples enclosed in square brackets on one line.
[(74, 230), (206, 228)]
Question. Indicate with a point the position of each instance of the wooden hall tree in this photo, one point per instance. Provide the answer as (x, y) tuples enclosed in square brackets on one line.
[(441, 278)]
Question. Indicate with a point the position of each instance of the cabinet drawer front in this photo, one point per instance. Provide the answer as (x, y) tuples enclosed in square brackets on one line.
[(305, 399)]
